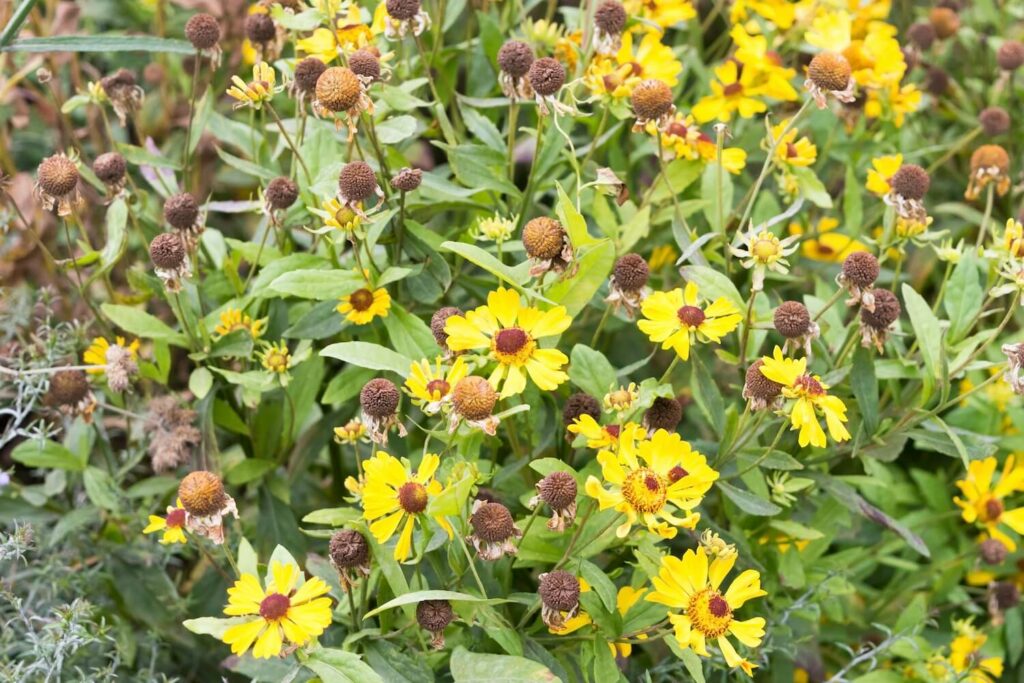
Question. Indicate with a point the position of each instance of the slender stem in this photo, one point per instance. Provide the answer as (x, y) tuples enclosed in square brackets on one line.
[(187, 152), (288, 139), (767, 451), (472, 567), (600, 326), (745, 338), (371, 131), (442, 113), (977, 352), (532, 177), (669, 369), (513, 115), (983, 230), (828, 304)]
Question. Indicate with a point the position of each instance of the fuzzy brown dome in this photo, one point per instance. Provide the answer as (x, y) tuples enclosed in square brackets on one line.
[(202, 493), (936, 81), (364, 63), (181, 210), (434, 615), (68, 387), (515, 58), (559, 590), (259, 28), (631, 272), (994, 120), (992, 551), (282, 193), (57, 175), (357, 181), (792, 319), (403, 10), (1010, 55), (829, 71), (989, 156), (348, 548), (167, 251), (109, 167), (543, 238), (474, 398), (437, 322), (861, 268), (203, 31), (651, 99), (610, 17), (547, 76), (338, 89), (1006, 595), (379, 397), (580, 404), (558, 490), (492, 522), (921, 34), (665, 413), (308, 72), (887, 310), (407, 179), (756, 385), (910, 181), (945, 21)]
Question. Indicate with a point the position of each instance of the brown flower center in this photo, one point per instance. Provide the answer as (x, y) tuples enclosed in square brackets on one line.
[(510, 340), (709, 613), (274, 606), (677, 128), (644, 490), (176, 518), (412, 496), (676, 473), (718, 606), (691, 316), (809, 385), (993, 509), (613, 430), (791, 150), (361, 299), (732, 89), (438, 387)]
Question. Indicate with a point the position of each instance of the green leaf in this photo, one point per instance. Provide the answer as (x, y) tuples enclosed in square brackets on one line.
[(1014, 634), (138, 156), (591, 371), (574, 222), (926, 328), (335, 517), (481, 258), (707, 395), (811, 187), (482, 128), (747, 501), (396, 129), (716, 185), (141, 324), (713, 284), (117, 235), (545, 466), (681, 174), (409, 335), (249, 470), (200, 382), (865, 388), (246, 167), (47, 454), (248, 563), (212, 626), (600, 584), (315, 284), (691, 661), (853, 202), (101, 43), (420, 596), (595, 266), (367, 355), (472, 667), (963, 297), (101, 489), (338, 666)]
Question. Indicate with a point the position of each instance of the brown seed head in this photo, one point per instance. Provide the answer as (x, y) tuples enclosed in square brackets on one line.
[(437, 322), (181, 210), (379, 398), (122, 78), (515, 58), (357, 181), (559, 590), (887, 310), (167, 251), (308, 72), (403, 10), (1010, 55), (348, 548), (861, 268), (936, 81), (259, 28), (543, 238), (282, 193), (665, 413), (989, 156), (910, 181), (474, 398), (407, 179), (921, 34), (610, 17), (994, 120), (558, 490), (758, 386), (792, 319), (57, 175), (68, 387), (631, 272), (338, 89), (945, 21), (434, 615), (651, 99), (364, 63), (203, 31), (829, 71), (1006, 595), (580, 404), (202, 493), (109, 167), (547, 76), (992, 551), (492, 522)]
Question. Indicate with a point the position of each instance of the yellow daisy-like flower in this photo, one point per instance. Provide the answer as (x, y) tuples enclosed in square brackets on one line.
[(352, 432), (431, 387), (616, 77), (621, 399), (173, 525), (509, 332), (966, 658), (598, 436), (276, 357), (650, 479), (393, 493), (984, 501), (495, 228), (883, 168), (233, 319), (692, 585), (96, 354), (675, 319), (810, 397), (339, 217), (682, 138), (664, 13), (282, 612), (790, 151), (258, 91), (732, 92), (829, 245), (362, 305)]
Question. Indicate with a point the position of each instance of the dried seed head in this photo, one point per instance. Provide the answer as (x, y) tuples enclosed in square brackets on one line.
[(945, 21), (57, 175), (887, 310), (403, 10), (474, 398), (559, 590), (364, 63), (610, 17), (792, 319), (348, 548), (990, 156), (493, 523), (203, 31), (357, 181), (992, 551), (68, 387), (338, 89), (307, 72), (651, 99), (631, 272), (861, 268), (259, 28), (515, 58), (921, 34), (202, 493), (910, 181), (167, 251), (558, 490), (109, 168), (994, 120), (122, 78), (665, 413), (936, 80), (1006, 595), (829, 71), (437, 322), (282, 193), (580, 404), (758, 386), (181, 210), (543, 238), (1010, 55), (547, 76), (434, 615), (407, 179), (153, 73), (379, 398)]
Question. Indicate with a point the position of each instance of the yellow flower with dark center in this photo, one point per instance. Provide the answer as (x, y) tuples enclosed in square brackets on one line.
[(691, 587), (790, 151), (283, 612), (676, 320), (984, 500), (598, 436), (664, 13), (173, 525), (829, 245), (340, 217), (616, 77), (732, 92), (394, 496), (430, 387), (509, 332), (650, 480), (882, 169), (233, 319), (682, 138), (96, 354), (276, 357), (966, 658), (362, 305), (810, 397), (352, 432), (253, 94)]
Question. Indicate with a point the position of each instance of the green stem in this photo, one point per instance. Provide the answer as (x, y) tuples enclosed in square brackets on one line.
[(983, 230), (532, 177), (288, 139), (767, 451)]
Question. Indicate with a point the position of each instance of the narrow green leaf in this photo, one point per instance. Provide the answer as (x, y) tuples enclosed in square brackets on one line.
[(591, 371), (420, 596), (367, 355), (101, 43), (747, 501)]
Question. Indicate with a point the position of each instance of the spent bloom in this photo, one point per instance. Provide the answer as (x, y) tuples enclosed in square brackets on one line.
[(830, 74), (206, 504), (494, 530), (762, 250), (57, 184), (405, 17), (119, 361), (809, 398)]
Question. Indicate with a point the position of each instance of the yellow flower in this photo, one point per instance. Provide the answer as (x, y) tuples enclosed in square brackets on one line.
[(691, 587), (495, 228), (617, 77), (883, 168), (509, 332), (650, 479), (893, 101), (790, 151), (282, 612), (276, 357), (664, 13), (362, 305), (393, 493), (339, 217), (984, 502), (350, 34), (258, 91), (1013, 238), (767, 75), (730, 93), (621, 399), (675, 320), (664, 255), (233, 319), (877, 60), (782, 13), (352, 432), (597, 436), (430, 387), (685, 140), (828, 246), (96, 354), (173, 525), (966, 658), (830, 31), (810, 397)]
